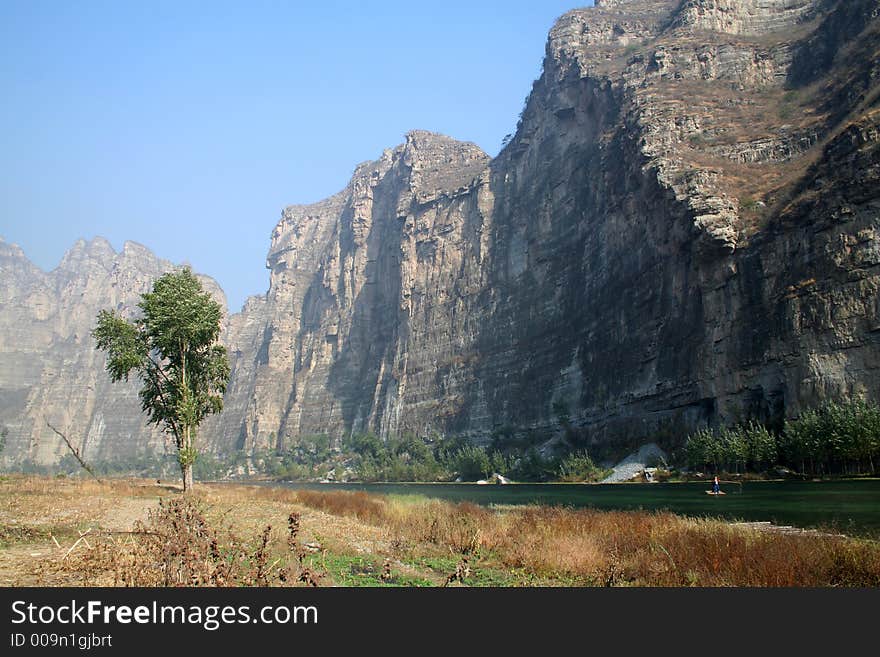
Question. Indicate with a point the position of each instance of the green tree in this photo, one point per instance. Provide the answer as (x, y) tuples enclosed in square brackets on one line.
[(472, 462), (735, 448), (173, 348), (762, 450), (699, 448)]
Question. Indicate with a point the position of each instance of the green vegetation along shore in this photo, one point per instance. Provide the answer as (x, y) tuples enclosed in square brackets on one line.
[(833, 440)]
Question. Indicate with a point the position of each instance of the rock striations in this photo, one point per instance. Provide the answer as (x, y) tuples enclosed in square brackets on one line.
[(682, 230), (49, 368)]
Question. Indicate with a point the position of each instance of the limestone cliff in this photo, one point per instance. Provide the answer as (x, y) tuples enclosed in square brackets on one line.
[(683, 230), (49, 368)]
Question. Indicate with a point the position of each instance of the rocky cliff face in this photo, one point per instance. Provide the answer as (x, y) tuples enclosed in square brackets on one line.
[(49, 369), (682, 231)]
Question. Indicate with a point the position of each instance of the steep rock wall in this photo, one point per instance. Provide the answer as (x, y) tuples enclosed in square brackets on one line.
[(648, 253), (682, 231), (49, 368)]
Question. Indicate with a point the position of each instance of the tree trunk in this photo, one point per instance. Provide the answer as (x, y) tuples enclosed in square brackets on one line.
[(186, 462), (187, 471)]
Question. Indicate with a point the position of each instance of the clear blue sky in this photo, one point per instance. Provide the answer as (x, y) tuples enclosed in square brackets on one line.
[(188, 126)]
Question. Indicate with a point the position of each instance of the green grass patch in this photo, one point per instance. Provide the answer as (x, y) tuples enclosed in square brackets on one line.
[(481, 573), (361, 570)]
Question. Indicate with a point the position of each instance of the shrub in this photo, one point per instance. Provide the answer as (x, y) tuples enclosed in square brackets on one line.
[(178, 546), (578, 466), (472, 463)]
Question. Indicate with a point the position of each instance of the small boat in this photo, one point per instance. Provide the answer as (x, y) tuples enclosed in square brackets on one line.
[(711, 492)]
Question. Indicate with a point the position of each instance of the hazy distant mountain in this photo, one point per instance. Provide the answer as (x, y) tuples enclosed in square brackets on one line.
[(49, 368), (682, 230)]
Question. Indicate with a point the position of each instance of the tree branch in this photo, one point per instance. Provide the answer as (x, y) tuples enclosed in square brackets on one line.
[(75, 452), (169, 416)]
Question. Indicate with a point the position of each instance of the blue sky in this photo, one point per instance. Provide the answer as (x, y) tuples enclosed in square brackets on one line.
[(188, 126)]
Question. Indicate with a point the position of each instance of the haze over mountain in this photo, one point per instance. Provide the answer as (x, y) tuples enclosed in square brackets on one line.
[(681, 231)]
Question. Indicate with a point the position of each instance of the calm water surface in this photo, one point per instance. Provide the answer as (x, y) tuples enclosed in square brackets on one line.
[(849, 507)]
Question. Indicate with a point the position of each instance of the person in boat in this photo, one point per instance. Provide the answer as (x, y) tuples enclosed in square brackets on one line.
[(716, 486)]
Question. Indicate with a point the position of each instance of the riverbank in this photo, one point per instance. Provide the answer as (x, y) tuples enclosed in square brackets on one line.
[(843, 506), (68, 532)]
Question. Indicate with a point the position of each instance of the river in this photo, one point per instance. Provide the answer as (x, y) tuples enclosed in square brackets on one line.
[(850, 507)]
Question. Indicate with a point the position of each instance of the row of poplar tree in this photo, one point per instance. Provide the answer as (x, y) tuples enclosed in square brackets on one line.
[(835, 438)]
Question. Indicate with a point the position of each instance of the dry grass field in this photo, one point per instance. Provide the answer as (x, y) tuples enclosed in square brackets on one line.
[(127, 532)]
